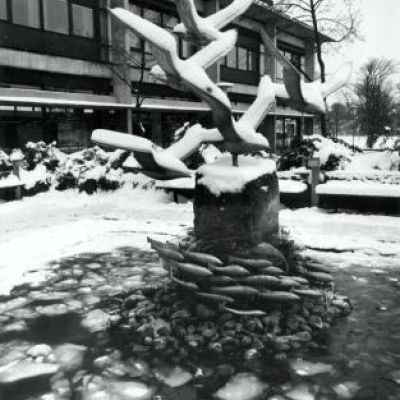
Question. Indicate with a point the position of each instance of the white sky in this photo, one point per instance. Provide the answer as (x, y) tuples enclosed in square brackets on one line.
[(380, 29)]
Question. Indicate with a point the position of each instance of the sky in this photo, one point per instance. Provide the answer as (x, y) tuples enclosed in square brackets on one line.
[(380, 29)]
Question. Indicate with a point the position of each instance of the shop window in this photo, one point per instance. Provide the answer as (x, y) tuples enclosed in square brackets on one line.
[(55, 16), (3, 9), (26, 12), (82, 21)]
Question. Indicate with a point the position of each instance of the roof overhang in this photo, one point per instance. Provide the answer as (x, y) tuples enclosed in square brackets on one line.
[(36, 98), (264, 13)]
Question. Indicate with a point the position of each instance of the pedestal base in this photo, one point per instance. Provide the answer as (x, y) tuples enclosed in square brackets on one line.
[(250, 216)]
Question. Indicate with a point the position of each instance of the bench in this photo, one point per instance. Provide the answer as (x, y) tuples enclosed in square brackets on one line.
[(10, 184), (360, 195)]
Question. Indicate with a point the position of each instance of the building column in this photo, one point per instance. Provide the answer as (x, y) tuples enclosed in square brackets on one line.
[(268, 130), (270, 60), (310, 60), (156, 131), (121, 77)]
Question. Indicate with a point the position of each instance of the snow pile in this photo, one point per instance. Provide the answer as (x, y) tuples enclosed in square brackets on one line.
[(384, 161), (378, 176), (35, 179), (9, 181), (40, 153), (17, 155), (360, 142), (210, 153), (327, 148), (387, 143), (221, 177), (291, 186), (359, 188), (332, 154)]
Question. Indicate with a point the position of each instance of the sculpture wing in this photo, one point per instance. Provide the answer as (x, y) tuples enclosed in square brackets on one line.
[(187, 13), (159, 38), (191, 141), (229, 13), (200, 84), (122, 141), (258, 110), (217, 49)]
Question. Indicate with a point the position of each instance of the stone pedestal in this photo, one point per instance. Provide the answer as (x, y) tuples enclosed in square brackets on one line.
[(250, 216)]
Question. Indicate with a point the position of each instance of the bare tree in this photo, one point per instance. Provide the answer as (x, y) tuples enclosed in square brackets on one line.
[(375, 97), (338, 19)]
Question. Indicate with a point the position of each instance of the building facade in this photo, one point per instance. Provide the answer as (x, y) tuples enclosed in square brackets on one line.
[(67, 67)]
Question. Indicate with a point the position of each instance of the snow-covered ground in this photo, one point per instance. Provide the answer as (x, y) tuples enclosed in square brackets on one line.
[(53, 225), (344, 239)]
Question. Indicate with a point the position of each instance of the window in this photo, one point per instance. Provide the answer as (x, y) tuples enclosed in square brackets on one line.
[(169, 21), (295, 57), (231, 59), (55, 13), (135, 9), (3, 9), (242, 58), (152, 16), (82, 21), (26, 12)]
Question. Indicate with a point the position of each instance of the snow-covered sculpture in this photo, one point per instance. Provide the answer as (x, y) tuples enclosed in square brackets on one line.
[(205, 30), (236, 207), (171, 69), (166, 164), (236, 136)]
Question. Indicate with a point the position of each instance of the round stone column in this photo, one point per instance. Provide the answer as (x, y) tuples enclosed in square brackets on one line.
[(238, 204)]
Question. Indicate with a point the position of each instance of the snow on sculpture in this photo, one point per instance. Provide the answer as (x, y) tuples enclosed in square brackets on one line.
[(229, 259), (205, 30), (236, 137)]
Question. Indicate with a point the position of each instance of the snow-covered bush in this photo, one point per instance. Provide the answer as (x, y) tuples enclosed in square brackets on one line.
[(5, 164), (35, 181), (330, 154), (384, 161), (387, 143)]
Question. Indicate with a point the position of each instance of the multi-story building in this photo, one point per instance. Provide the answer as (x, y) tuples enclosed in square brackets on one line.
[(67, 67)]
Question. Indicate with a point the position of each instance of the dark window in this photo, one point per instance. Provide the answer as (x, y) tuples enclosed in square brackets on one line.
[(82, 21), (55, 16), (242, 59), (3, 9), (26, 12), (152, 16), (296, 57)]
